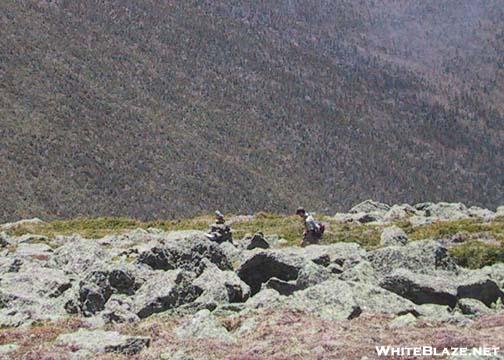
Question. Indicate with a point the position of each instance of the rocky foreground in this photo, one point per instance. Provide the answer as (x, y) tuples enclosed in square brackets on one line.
[(150, 294)]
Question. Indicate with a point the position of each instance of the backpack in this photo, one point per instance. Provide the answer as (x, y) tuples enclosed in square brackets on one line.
[(319, 228)]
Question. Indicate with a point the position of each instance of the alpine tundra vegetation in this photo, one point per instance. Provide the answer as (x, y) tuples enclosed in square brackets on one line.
[(430, 274)]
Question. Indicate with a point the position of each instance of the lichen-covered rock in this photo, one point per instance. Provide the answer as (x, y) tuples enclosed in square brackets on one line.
[(4, 240), (399, 212), (369, 206), (336, 299), (419, 256), (403, 321), (283, 287), (312, 274), (473, 307), (266, 298), (203, 325), (220, 287), (184, 250), (79, 255), (261, 266), (164, 291), (119, 309), (420, 288), (99, 341), (363, 271), (256, 242), (392, 236)]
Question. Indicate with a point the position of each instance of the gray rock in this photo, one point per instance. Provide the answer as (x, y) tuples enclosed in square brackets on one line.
[(363, 271), (420, 288), (165, 291), (473, 307), (79, 255), (265, 298), (478, 286), (119, 309), (4, 240), (99, 341), (399, 212), (261, 266), (392, 236), (185, 250), (442, 288), (7, 349), (436, 312), (403, 321), (336, 299), (203, 325), (494, 272), (35, 251), (499, 212), (232, 253), (424, 256), (312, 274), (336, 253), (369, 206), (285, 288), (33, 293), (256, 242), (220, 287), (444, 210), (480, 213), (24, 222)]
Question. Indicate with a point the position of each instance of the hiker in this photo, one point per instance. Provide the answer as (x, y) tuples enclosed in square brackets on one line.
[(313, 229), (220, 232)]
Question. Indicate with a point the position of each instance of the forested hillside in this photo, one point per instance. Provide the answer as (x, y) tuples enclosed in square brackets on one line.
[(156, 109)]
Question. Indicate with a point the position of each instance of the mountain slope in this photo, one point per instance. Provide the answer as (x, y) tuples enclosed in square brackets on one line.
[(160, 108)]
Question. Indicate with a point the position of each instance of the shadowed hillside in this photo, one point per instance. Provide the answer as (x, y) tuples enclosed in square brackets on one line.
[(156, 109)]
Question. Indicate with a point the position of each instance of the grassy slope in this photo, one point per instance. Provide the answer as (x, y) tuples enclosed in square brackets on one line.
[(471, 254), (165, 109)]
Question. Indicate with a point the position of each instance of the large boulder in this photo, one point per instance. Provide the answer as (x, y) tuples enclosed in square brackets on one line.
[(4, 240), (369, 206), (399, 212), (444, 210), (266, 298), (337, 253), (100, 341), (424, 256), (420, 288), (476, 285), (164, 291), (22, 223), (257, 241), (283, 287), (101, 283), (442, 288), (220, 287), (119, 309), (79, 255), (494, 272), (335, 299), (473, 307), (362, 271), (312, 274), (184, 250), (33, 293), (392, 236), (203, 325), (260, 266)]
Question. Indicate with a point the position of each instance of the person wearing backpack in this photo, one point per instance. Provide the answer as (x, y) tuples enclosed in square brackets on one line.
[(313, 229)]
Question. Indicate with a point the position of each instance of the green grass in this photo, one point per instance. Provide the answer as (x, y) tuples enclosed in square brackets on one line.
[(473, 254), (447, 228)]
